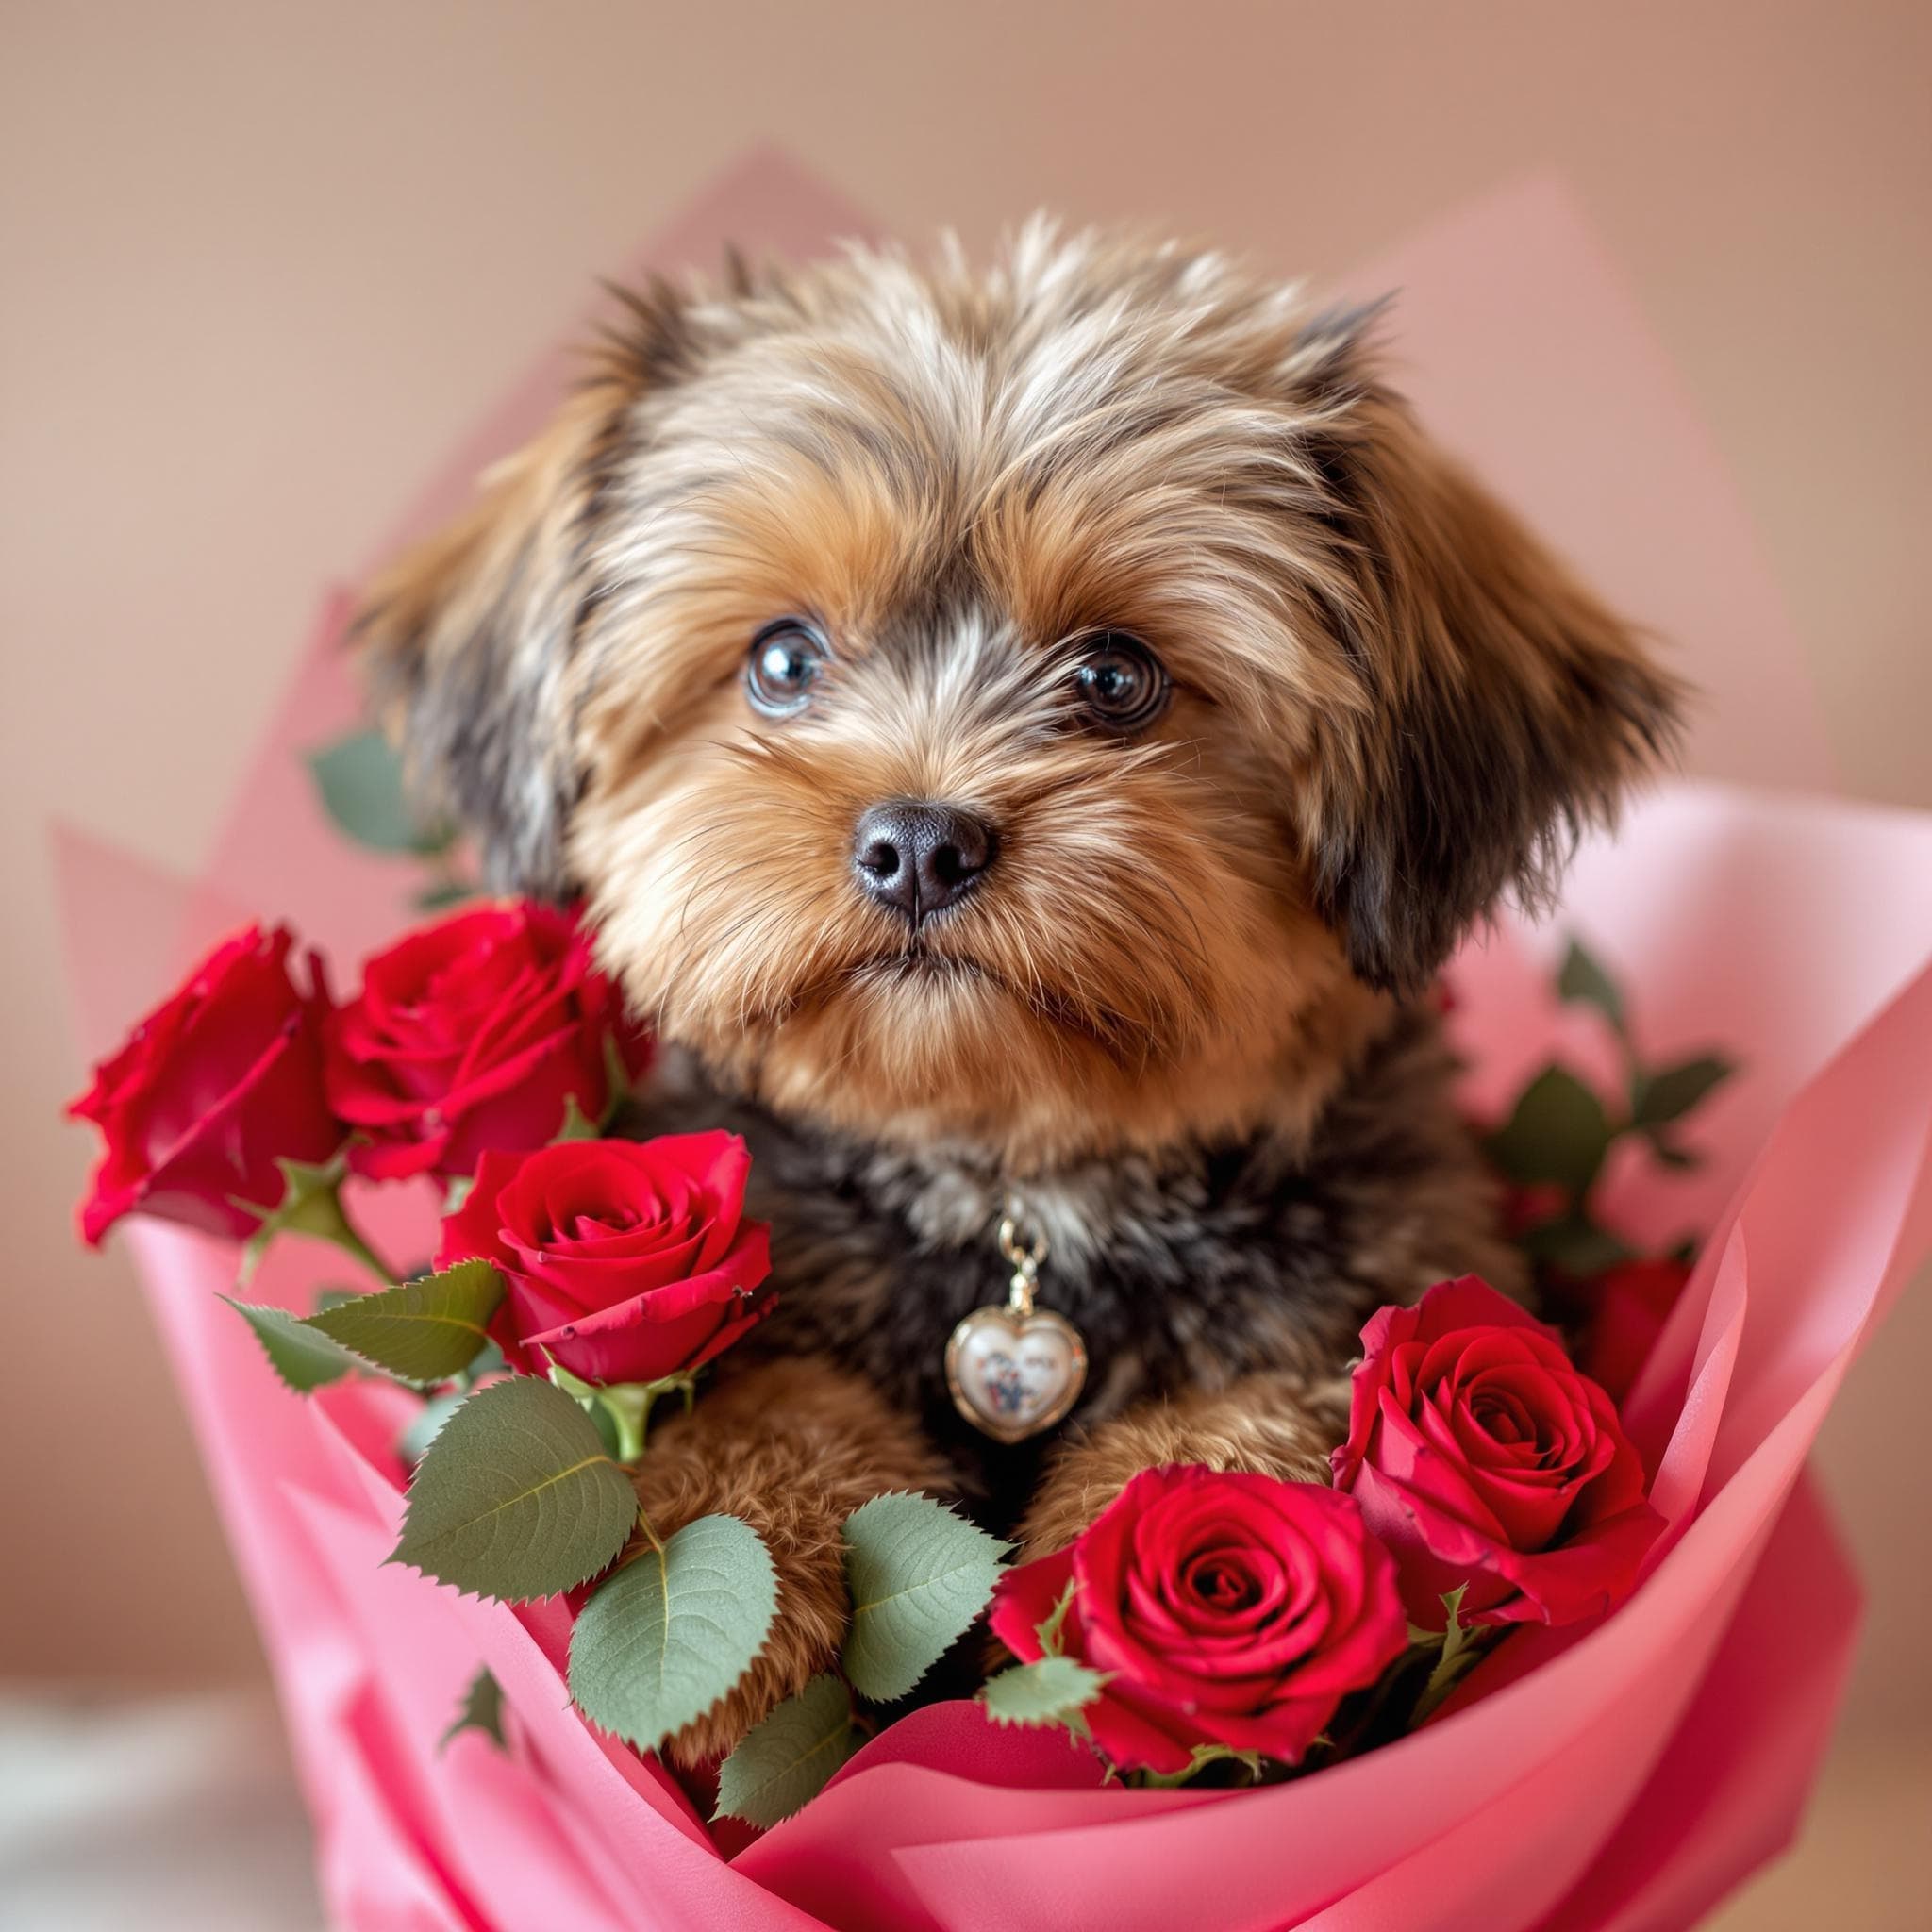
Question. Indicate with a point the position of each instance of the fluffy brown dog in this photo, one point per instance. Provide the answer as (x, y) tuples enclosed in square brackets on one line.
[(1036, 729)]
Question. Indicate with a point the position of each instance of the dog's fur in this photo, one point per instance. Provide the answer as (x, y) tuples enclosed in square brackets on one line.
[(1185, 1009)]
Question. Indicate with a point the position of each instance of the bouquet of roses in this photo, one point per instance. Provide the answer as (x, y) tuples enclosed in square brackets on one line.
[(1206, 1619), (1500, 1494)]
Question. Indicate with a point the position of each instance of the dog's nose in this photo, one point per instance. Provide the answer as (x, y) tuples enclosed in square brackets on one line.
[(915, 859)]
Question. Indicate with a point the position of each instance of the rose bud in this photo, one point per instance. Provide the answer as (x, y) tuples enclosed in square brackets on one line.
[(1231, 1610), (473, 1034), (209, 1089), (1482, 1455), (624, 1260)]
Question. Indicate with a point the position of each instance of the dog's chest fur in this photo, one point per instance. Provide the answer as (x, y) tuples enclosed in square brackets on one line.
[(1182, 1271)]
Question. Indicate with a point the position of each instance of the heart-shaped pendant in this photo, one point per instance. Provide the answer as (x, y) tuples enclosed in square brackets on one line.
[(1015, 1372)]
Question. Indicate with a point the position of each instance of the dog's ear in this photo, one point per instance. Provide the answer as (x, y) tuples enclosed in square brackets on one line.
[(468, 640), (1503, 709)]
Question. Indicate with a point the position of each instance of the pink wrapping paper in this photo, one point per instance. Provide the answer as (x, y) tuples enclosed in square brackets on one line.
[(1620, 1776)]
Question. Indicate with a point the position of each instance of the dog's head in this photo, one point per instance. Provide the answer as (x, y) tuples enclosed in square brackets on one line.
[(1035, 708)]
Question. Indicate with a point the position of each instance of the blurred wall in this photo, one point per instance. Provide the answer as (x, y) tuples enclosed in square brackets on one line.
[(263, 263)]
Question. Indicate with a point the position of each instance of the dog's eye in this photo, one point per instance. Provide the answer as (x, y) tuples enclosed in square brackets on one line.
[(785, 661), (1123, 685)]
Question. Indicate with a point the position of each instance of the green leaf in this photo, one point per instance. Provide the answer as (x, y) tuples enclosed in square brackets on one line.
[(1054, 1691), (298, 1355), (425, 1425), (666, 1636), (785, 1763), (1576, 1245), (1583, 979), (577, 1125), (1559, 1133), (455, 1193), (919, 1575), (424, 1331), (481, 1710), (360, 780), (516, 1497), (1656, 1099)]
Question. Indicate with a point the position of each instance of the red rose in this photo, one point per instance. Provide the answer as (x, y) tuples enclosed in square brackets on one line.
[(625, 1260), (1230, 1609), (471, 1035), (1480, 1454), (209, 1089)]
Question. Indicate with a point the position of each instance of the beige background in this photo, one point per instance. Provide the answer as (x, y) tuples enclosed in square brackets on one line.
[(262, 264)]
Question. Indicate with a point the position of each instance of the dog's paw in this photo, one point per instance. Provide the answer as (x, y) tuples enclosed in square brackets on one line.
[(1080, 1483), (1268, 1423)]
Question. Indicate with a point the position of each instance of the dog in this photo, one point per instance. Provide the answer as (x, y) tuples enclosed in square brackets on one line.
[(1027, 739)]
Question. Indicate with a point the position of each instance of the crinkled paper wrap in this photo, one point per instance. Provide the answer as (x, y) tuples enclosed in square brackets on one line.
[(1617, 1775)]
